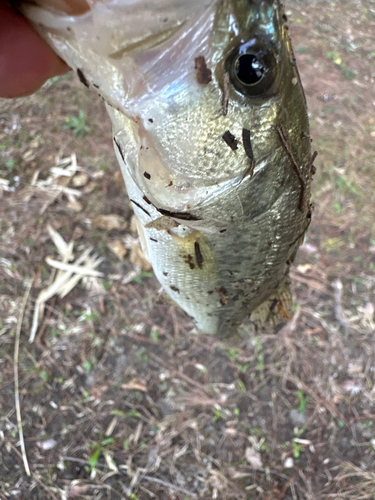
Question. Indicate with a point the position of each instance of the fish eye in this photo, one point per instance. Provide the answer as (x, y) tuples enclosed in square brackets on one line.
[(252, 67), (249, 69)]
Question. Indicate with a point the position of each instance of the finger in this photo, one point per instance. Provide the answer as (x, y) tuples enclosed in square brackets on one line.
[(72, 7), (26, 61)]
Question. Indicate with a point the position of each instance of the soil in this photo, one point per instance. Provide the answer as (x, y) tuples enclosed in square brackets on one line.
[(117, 398)]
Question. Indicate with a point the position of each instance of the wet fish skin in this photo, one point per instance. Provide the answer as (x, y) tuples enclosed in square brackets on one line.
[(219, 224)]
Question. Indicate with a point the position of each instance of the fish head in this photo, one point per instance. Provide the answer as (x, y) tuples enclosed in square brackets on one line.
[(213, 96), (177, 77)]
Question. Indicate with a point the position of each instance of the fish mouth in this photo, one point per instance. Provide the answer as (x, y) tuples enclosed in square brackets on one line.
[(140, 46)]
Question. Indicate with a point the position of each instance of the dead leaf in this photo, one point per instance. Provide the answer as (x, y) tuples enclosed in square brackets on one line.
[(80, 179), (46, 445), (303, 268), (307, 247), (254, 458), (163, 222), (109, 222), (137, 258), (76, 206), (77, 490), (77, 233), (351, 386), (118, 179), (98, 391), (118, 248), (369, 310), (289, 463), (137, 384), (133, 224), (30, 155), (89, 188), (354, 368)]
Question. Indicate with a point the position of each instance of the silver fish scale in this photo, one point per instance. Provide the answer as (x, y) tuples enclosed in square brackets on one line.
[(219, 226)]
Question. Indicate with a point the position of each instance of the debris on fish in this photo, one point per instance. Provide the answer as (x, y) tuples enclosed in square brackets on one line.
[(211, 131)]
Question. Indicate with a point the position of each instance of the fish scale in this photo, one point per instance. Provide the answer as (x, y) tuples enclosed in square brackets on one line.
[(211, 132)]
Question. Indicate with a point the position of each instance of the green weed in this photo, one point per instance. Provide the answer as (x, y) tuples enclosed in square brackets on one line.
[(10, 164), (303, 400), (241, 386), (107, 284), (98, 450), (88, 316), (87, 366), (77, 124), (296, 449), (218, 414), (349, 74), (154, 335), (232, 354), (130, 413)]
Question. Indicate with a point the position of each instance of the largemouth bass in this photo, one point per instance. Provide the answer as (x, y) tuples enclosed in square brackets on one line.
[(211, 132)]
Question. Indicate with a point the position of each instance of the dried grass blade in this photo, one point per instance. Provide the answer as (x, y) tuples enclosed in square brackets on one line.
[(56, 287), (75, 279), (58, 241), (73, 268), (16, 380)]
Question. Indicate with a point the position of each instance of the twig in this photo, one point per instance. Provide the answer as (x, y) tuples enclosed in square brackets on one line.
[(339, 312), (74, 459), (225, 97), (284, 137), (147, 478), (174, 370), (16, 381), (285, 487), (170, 485), (39, 481)]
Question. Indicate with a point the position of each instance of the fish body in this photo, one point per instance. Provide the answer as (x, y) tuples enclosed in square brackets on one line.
[(211, 132)]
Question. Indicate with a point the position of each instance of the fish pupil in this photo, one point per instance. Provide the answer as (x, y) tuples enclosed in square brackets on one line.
[(253, 68), (249, 69)]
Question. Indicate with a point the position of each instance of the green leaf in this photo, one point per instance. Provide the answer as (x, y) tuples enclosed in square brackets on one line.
[(93, 460), (107, 441)]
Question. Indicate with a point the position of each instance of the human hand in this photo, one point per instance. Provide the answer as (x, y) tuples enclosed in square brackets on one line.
[(26, 61)]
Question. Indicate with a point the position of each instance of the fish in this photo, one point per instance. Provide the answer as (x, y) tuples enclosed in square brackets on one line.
[(211, 132)]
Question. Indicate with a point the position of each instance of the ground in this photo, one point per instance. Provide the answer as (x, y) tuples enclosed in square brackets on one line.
[(116, 398)]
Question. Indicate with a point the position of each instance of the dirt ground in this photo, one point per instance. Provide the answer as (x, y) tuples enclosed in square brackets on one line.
[(117, 399)]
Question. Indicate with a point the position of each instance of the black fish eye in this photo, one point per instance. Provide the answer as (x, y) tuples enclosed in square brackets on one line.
[(249, 69), (252, 67)]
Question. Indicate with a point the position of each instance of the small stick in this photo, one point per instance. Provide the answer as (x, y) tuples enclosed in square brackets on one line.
[(313, 157), (339, 311), (170, 485), (225, 98), (249, 171), (16, 380), (286, 144)]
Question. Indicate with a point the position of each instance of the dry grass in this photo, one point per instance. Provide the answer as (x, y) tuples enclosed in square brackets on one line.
[(117, 399)]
